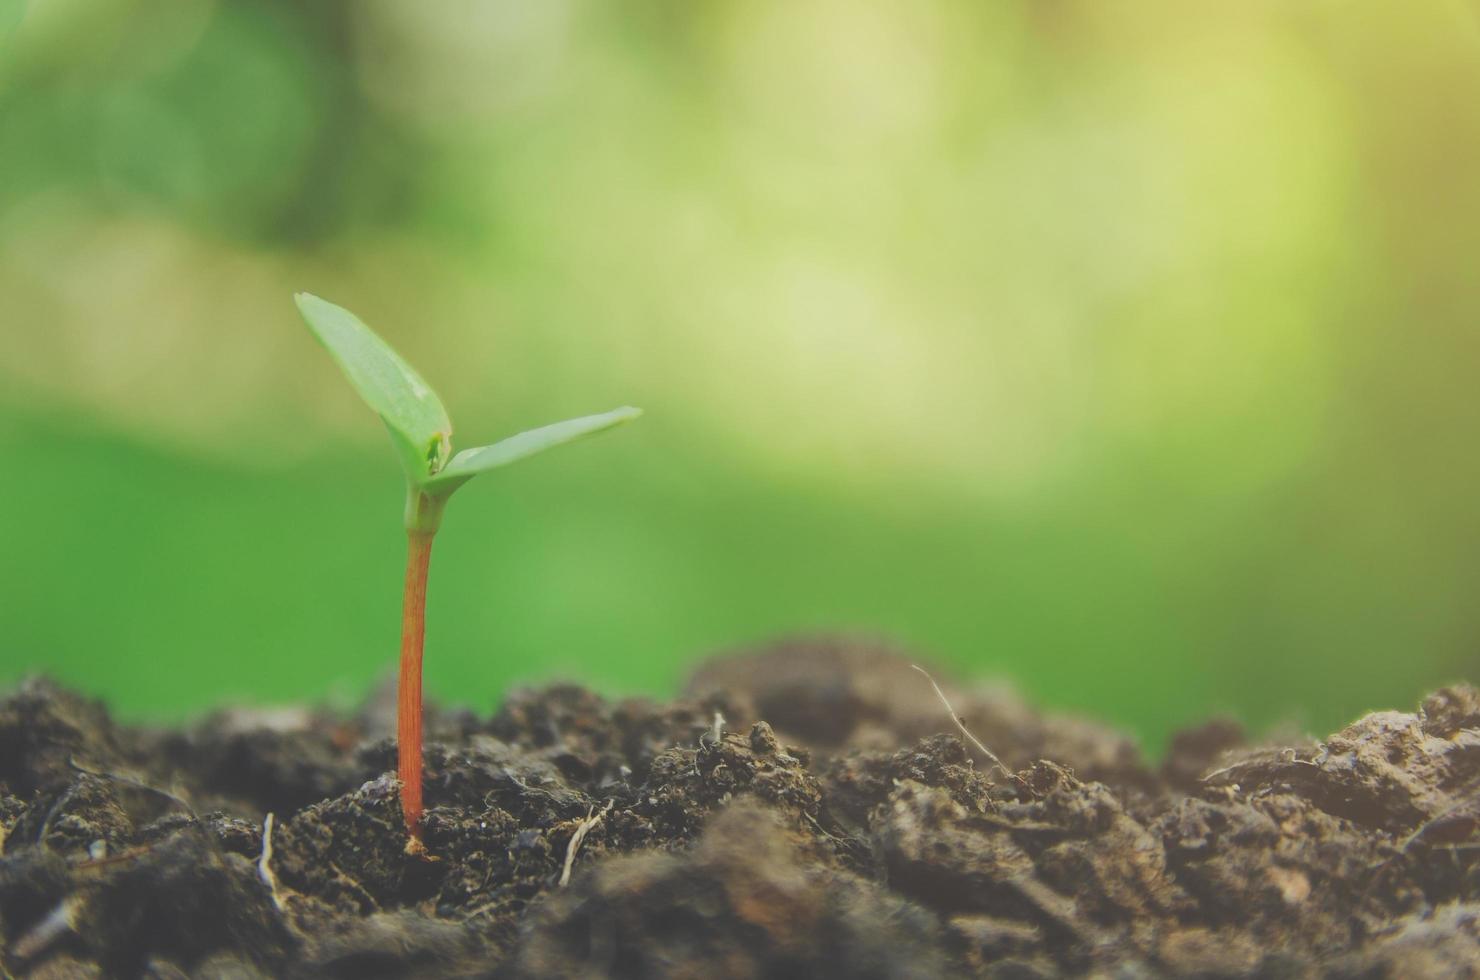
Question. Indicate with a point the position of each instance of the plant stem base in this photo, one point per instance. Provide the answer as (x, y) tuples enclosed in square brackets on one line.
[(408, 713)]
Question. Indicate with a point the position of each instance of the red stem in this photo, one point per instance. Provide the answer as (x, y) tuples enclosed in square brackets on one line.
[(408, 716)]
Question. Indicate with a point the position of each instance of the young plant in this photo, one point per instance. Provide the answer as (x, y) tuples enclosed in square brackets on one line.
[(422, 436)]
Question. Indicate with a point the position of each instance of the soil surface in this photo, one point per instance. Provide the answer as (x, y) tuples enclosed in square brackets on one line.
[(806, 811)]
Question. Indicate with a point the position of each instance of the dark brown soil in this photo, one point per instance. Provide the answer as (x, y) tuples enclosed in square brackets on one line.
[(808, 811)]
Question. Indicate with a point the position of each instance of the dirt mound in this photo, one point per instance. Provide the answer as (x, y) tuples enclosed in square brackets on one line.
[(571, 835)]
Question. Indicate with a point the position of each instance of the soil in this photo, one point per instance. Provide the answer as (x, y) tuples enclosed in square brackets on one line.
[(804, 811)]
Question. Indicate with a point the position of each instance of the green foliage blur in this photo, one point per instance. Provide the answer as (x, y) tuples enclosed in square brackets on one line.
[(1128, 352)]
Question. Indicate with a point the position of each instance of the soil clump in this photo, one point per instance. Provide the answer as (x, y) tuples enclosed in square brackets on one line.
[(808, 810)]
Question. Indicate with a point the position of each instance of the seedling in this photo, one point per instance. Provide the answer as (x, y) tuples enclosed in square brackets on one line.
[(422, 436)]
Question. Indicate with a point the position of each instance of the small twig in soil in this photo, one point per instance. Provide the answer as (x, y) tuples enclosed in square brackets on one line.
[(479, 910), (264, 864), (135, 782), (1458, 821), (1208, 777), (361, 893), (101, 864), (852, 843), (962, 725), (522, 785), (1287, 757), (577, 837), (51, 813), (58, 922)]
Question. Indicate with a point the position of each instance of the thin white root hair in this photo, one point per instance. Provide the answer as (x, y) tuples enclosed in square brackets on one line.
[(264, 865), (962, 725), (577, 837)]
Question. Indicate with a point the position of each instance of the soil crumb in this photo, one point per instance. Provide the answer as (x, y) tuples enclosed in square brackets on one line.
[(806, 810)]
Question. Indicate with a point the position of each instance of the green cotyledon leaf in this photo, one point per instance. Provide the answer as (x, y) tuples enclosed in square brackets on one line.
[(470, 462), (411, 410)]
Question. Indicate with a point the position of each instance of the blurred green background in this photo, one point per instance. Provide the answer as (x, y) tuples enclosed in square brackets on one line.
[(1128, 352)]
